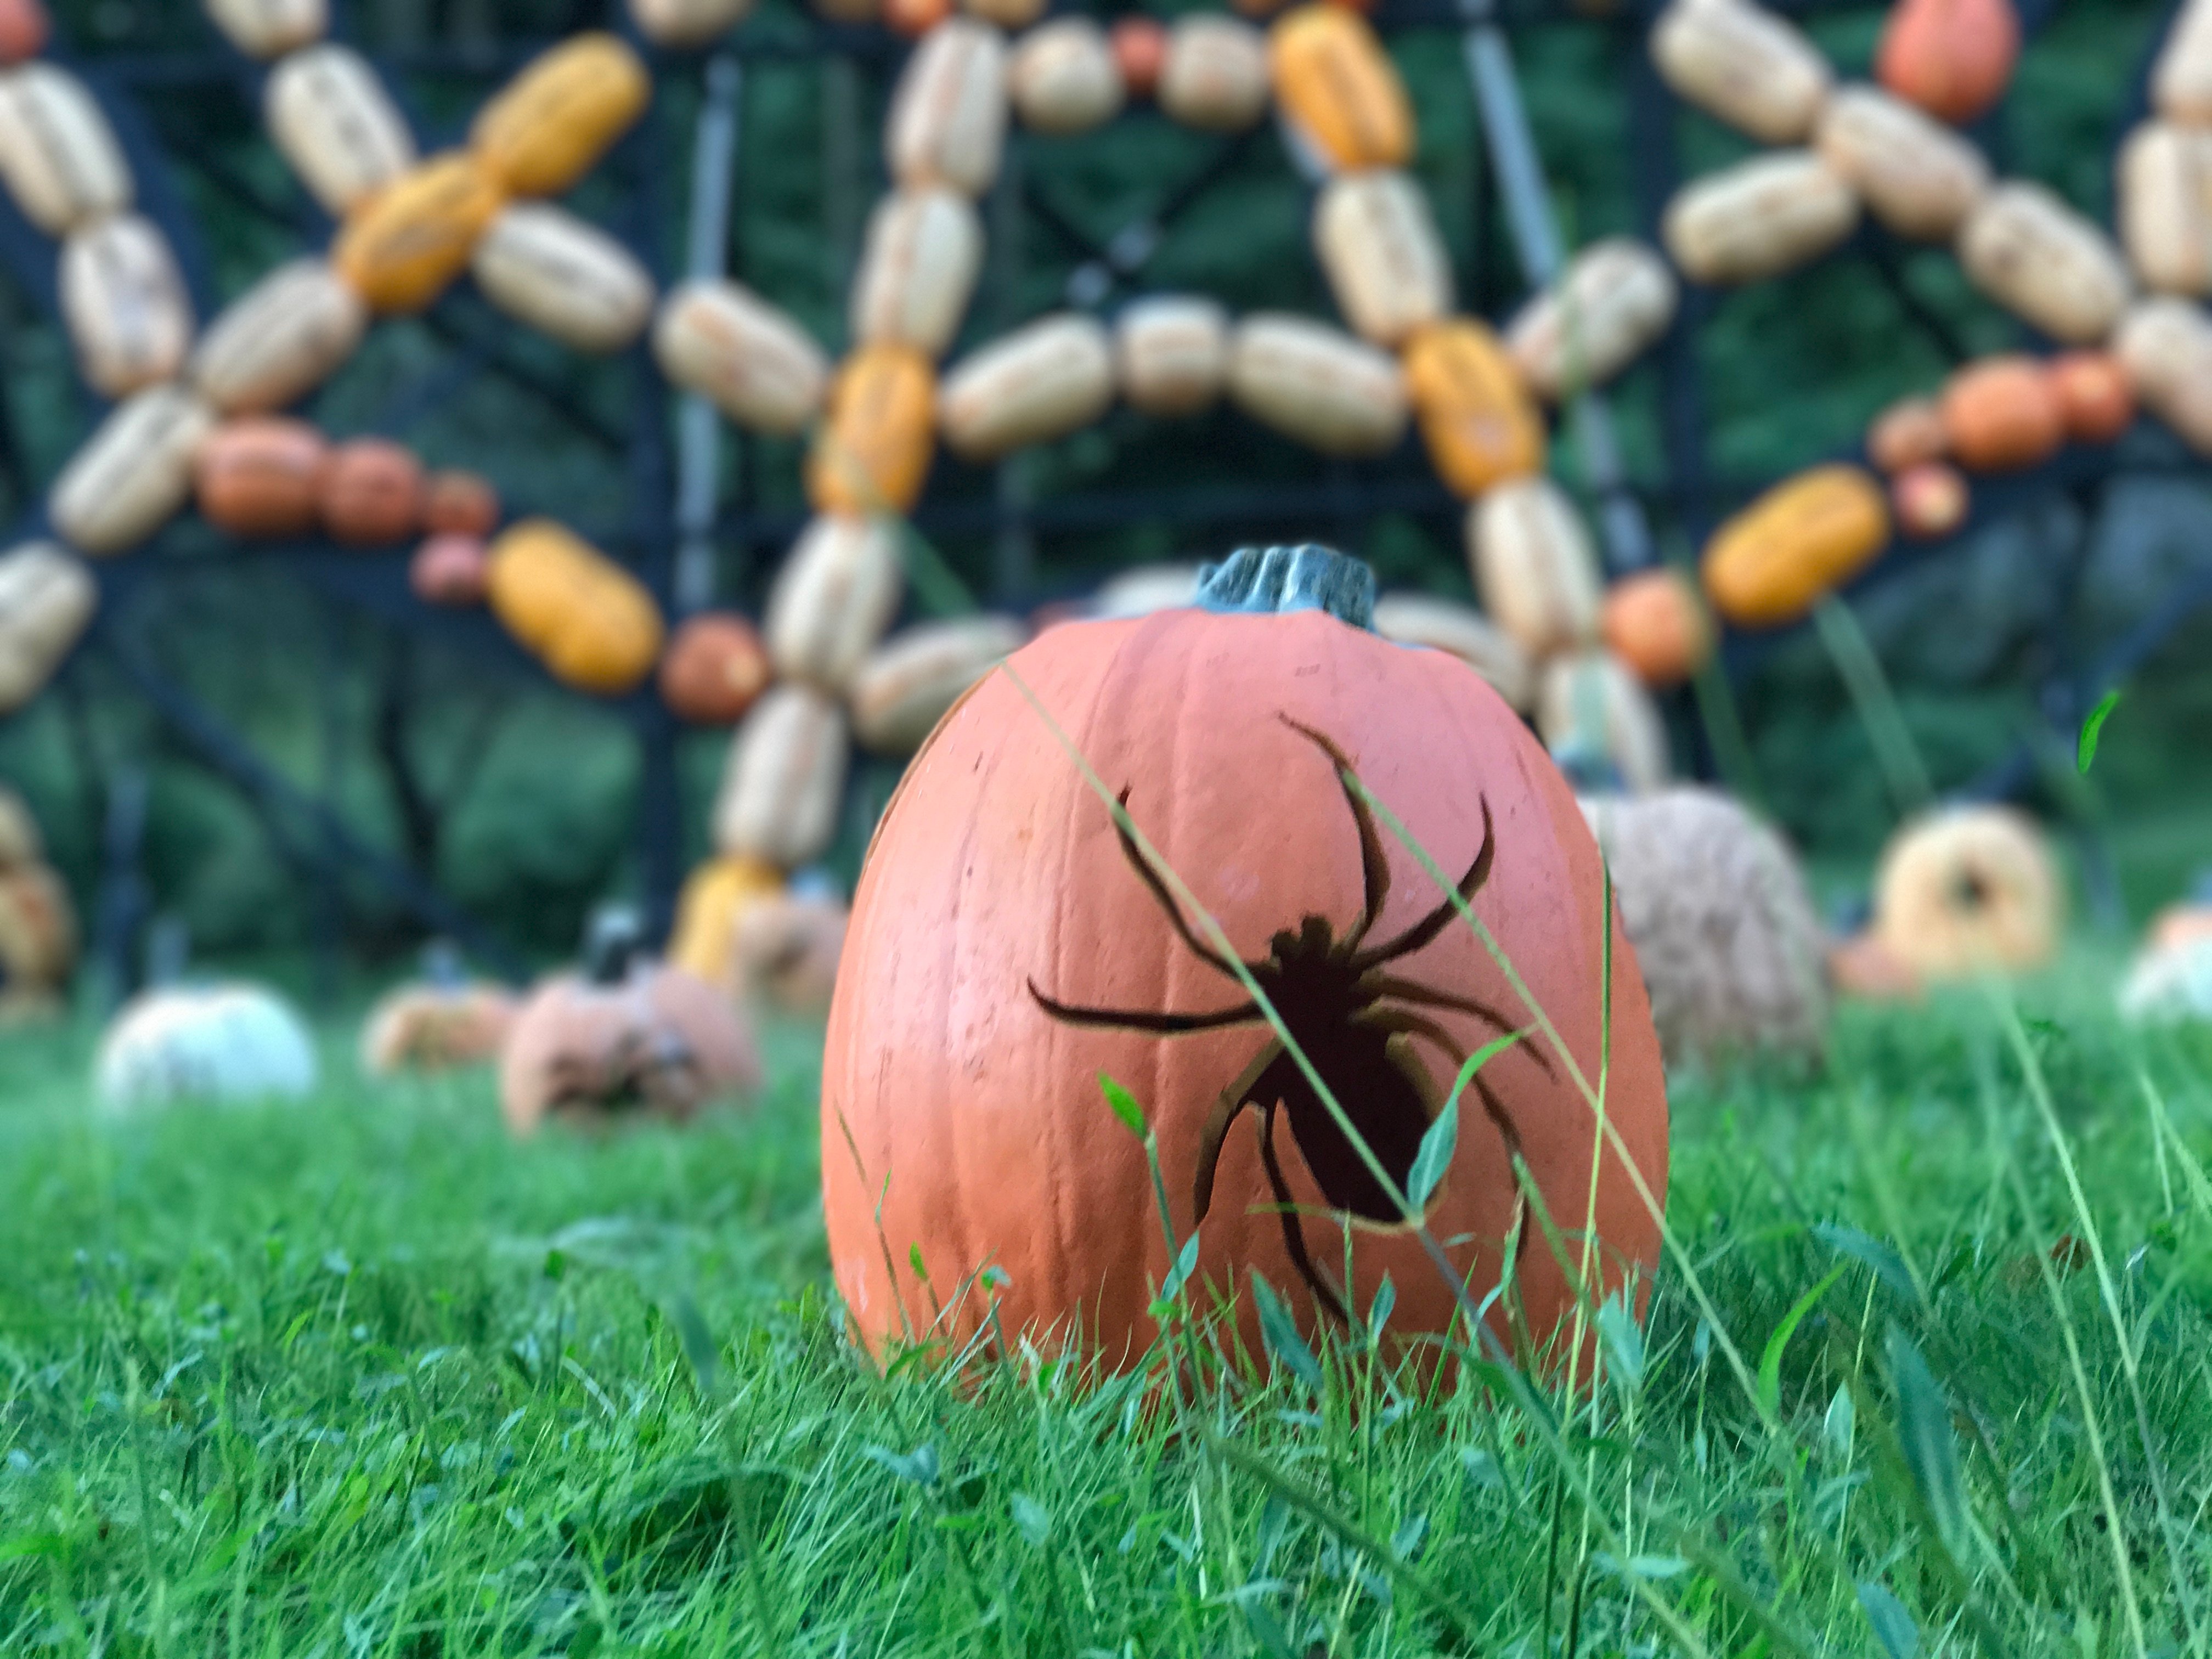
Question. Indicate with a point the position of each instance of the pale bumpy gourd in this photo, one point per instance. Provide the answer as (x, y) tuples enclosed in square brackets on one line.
[(1533, 566), (125, 304), (758, 366), (335, 126), (2165, 207), (1215, 75), (1738, 61), (919, 262), (783, 779), (1063, 78), (1041, 381), (544, 265), (1613, 303), (905, 687), (1461, 631), (133, 473), (209, 1043), (46, 602), (1915, 174), (686, 22), (835, 595), (270, 28), (1171, 353), (279, 340), (2181, 81), (2166, 345), (1967, 891), (1590, 698), (948, 116), (58, 156), (2048, 264), (1379, 248), (1326, 390), (1758, 218)]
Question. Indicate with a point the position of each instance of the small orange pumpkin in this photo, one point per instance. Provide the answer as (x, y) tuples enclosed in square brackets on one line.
[(261, 476), (872, 453), (2095, 394), (915, 18), (2003, 414), (459, 504), (1953, 58), (450, 569), (1907, 434), (1930, 500), (1655, 623), (714, 669), (372, 493), (1141, 51), (23, 30), (1801, 540)]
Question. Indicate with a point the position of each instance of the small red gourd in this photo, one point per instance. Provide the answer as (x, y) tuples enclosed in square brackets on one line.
[(1929, 500), (1952, 58), (1655, 621), (2003, 414), (450, 569), (714, 669), (372, 493), (2095, 395), (1907, 434), (260, 477), (1141, 51), (23, 30), (461, 503)]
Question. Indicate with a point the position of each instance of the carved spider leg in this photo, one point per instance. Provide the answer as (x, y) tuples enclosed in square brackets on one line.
[(1433, 923), (1230, 1102), (1166, 901), (1374, 868), (1160, 1022), (1406, 990), (1294, 1237)]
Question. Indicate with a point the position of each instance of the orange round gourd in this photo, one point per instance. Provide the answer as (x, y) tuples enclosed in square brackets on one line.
[(459, 504), (23, 30), (2003, 414), (1655, 622), (372, 493), (1141, 51), (261, 476), (715, 668), (450, 569), (2096, 397), (1800, 541), (915, 18), (1929, 500), (1005, 951), (1952, 58), (1907, 434)]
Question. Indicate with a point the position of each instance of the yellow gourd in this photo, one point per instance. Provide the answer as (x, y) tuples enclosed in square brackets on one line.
[(704, 942), (1772, 561), (1475, 414), (1340, 88), (593, 624), (402, 247), (873, 453), (551, 124)]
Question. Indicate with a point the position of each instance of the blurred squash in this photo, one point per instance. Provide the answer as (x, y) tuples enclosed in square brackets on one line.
[(450, 568), (1461, 631), (549, 125), (2164, 207), (1533, 566), (1758, 218), (2096, 393), (1317, 385), (704, 940), (372, 493), (205, 1044), (402, 247), (1337, 86), (788, 949), (714, 670), (460, 503), (1968, 890), (58, 156), (268, 29), (133, 474), (1215, 75), (1171, 353), (261, 475), (1476, 418), (336, 124), (920, 258), (1952, 58), (591, 622), (948, 115), (1139, 45), (37, 943), (1600, 722), (1655, 622), (749, 358), (1741, 63), (1930, 501), (23, 31), (911, 18), (1615, 301), (1379, 248), (1908, 434), (909, 683), (48, 599), (2166, 347), (1797, 543), (1063, 78), (1918, 176), (838, 592), (125, 304), (2045, 263), (2181, 77), (435, 1027), (681, 24), (784, 779), (872, 453), (1041, 381), (279, 340), (543, 266), (1012, 16), (2003, 414)]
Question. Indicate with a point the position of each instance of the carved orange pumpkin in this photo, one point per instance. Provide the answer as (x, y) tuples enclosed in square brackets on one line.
[(2003, 414), (1005, 948), (714, 669), (260, 477), (1953, 58), (372, 493)]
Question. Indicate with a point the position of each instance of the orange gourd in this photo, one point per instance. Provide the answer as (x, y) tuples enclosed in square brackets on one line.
[(1338, 87), (460, 504), (261, 476), (449, 569), (1480, 424), (401, 248), (1952, 58), (2096, 395), (372, 493), (1006, 950), (872, 453), (1802, 539), (1907, 434), (715, 668), (591, 622), (915, 18), (716, 895), (549, 126), (1930, 500), (23, 30), (2003, 414), (1141, 51), (1655, 622)]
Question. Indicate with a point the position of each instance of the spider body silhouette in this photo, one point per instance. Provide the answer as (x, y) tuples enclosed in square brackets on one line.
[(1354, 1019)]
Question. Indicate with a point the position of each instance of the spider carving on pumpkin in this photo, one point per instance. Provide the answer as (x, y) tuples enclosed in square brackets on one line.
[(1355, 1020)]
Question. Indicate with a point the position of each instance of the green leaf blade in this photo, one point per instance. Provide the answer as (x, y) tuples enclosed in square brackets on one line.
[(2085, 751)]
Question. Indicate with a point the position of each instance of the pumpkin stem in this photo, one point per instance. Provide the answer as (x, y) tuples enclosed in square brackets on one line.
[(1269, 581), (613, 941)]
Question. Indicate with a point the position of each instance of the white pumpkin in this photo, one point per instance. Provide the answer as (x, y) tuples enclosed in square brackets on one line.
[(204, 1042)]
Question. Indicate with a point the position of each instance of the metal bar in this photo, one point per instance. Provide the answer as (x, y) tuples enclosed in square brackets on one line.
[(698, 430)]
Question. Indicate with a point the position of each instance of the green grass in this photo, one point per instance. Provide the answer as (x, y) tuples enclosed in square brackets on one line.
[(361, 1377)]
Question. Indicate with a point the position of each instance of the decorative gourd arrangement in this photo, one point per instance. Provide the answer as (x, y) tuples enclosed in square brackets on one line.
[(38, 929)]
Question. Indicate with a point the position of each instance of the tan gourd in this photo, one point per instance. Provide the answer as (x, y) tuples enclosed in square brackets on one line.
[(1968, 892), (686, 22), (783, 779), (279, 340), (721, 340), (2166, 345), (1215, 75), (1534, 567), (59, 157), (948, 116), (1379, 248), (1915, 174), (270, 28), (835, 596), (549, 125), (1171, 353), (1042, 381), (1314, 384), (1461, 631), (1758, 218), (1063, 78), (1738, 61), (2181, 80), (1614, 302), (2165, 207), (333, 121), (549, 269), (1586, 698), (125, 304), (46, 602), (133, 473), (2048, 264), (904, 687), (919, 263)]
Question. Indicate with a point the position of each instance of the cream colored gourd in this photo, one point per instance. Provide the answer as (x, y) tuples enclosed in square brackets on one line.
[(1533, 566), (948, 116), (2166, 346), (1379, 248), (1615, 301), (337, 126), (1967, 891), (1063, 79), (46, 602), (1758, 218), (1461, 631), (2181, 79), (756, 364), (686, 22), (213, 1044), (270, 28), (125, 304), (1314, 384), (134, 473), (544, 266), (2045, 263), (1171, 353), (1215, 75), (59, 157), (919, 262), (2165, 207), (782, 781), (1738, 61), (279, 340), (1590, 698), (836, 593), (1041, 381), (905, 686), (1916, 175)]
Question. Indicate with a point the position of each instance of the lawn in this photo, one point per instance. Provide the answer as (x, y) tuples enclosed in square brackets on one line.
[(361, 1378)]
